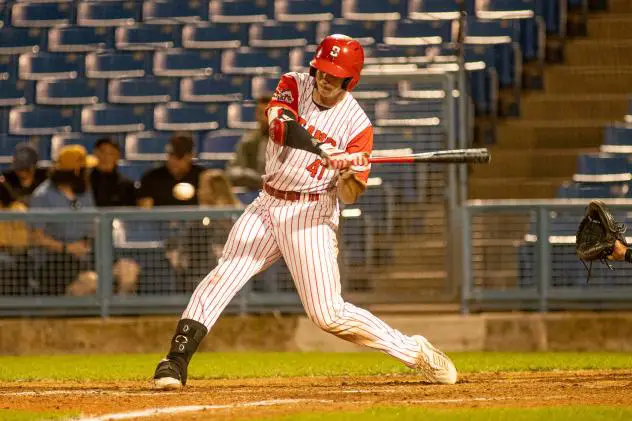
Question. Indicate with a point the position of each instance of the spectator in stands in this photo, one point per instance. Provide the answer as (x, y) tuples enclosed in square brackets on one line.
[(249, 163), (109, 186), (193, 253), (64, 257), (174, 183), (17, 185)]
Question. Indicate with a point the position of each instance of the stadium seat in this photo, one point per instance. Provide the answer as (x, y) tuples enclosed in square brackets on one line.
[(408, 113), (262, 85), (20, 40), (247, 197), (146, 146), (254, 61), (357, 238), (366, 33), (594, 190), (307, 11), (374, 90), (242, 115), (35, 121), (282, 34), (84, 139), (38, 14), (373, 10), (378, 201), (416, 139), (114, 64), (240, 11), (407, 32), (434, 9), (554, 16), (15, 92), (135, 170), (218, 88), (8, 143), (70, 92), (507, 9), (215, 35), (146, 37), (41, 66), (103, 118), (108, 13), (183, 63), (8, 67), (492, 31), (142, 90), (176, 116), (601, 167), (391, 54), (174, 11), (617, 139), (220, 144), (77, 39)]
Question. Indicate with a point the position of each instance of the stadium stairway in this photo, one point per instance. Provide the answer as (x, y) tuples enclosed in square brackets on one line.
[(537, 151)]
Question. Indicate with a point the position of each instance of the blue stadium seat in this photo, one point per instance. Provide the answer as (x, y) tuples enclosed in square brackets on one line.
[(366, 33), (378, 201), (575, 190), (417, 139), (220, 144), (247, 197), (601, 167), (174, 11), (108, 13), (407, 32), (240, 11), (391, 54), (282, 34), (254, 61), (617, 139), (146, 146), (8, 143), (307, 11), (263, 85), (492, 31), (242, 115), (554, 16), (146, 37), (435, 9), (77, 39), (15, 92), (142, 90), (20, 40), (38, 15), (103, 118), (218, 88), (357, 238), (374, 90), (135, 170), (507, 9), (180, 62), (35, 121), (176, 116), (84, 139), (215, 35), (408, 113), (40, 66), (70, 92), (373, 10), (114, 64)]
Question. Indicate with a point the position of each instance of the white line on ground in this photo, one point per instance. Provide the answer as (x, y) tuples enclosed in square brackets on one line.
[(85, 392), (192, 408)]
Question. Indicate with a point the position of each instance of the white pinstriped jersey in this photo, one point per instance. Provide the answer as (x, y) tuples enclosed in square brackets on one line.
[(345, 125)]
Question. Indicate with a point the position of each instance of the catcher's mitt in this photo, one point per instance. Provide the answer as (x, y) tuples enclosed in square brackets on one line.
[(597, 234)]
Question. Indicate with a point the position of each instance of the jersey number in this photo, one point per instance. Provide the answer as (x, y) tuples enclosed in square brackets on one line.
[(314, 167)]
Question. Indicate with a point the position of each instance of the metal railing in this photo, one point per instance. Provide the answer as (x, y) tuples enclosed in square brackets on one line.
[(520, 255)]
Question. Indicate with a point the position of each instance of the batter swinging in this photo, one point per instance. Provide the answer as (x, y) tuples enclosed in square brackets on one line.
[(318, 154)]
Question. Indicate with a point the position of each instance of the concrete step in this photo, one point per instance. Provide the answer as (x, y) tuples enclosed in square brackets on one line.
[(515, 188), (619, 6), (411, 286), (528, 163), (553, 134), (587, 79), (609, 26), (600, 52), (429, 254), (543, 106)]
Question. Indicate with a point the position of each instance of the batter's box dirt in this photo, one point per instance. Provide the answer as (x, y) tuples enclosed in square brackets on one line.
[(236, 399)]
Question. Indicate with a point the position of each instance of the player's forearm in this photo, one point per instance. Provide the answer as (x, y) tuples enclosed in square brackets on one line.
[(350, 189)]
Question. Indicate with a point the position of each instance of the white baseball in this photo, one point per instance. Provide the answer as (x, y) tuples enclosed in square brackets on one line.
[(183, 191)]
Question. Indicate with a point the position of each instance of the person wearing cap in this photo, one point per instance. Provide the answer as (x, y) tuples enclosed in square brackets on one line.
[(17, 185), (174, 183), (246, 169), (109, 186)]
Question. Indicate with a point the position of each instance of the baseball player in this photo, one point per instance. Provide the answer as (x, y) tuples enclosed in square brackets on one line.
[(320, 140)]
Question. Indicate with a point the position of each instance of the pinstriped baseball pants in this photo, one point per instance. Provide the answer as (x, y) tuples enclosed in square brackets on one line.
[(304, 233)]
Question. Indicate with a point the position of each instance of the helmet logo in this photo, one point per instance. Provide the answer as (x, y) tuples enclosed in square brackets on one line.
[(335, 50)]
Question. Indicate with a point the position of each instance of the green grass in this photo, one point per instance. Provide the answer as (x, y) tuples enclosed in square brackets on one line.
[(11, 415), (486, 414), (247, 364)]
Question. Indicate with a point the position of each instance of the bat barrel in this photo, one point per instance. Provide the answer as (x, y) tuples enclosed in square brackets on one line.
[(454, 156)]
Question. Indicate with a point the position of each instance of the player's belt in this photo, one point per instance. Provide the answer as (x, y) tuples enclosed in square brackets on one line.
[(293, 196)]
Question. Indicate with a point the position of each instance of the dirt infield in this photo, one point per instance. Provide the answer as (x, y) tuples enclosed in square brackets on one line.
[(257, 398)]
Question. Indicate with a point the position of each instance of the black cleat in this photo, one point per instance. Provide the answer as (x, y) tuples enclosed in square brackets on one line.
[(170, 374)]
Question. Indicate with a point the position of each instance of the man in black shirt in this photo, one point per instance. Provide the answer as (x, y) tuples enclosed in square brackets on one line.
[(174, 183), (109, 187), (16, 186)]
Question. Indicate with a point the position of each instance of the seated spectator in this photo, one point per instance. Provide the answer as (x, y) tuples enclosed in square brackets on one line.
[(65, 253), (175, 182), (249, 163), (196, 252), (109, 187), (18, 184)]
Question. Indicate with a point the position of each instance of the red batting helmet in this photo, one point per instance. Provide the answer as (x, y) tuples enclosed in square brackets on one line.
[(340, 56)]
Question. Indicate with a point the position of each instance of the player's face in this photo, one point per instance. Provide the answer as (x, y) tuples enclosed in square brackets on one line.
[(328, 85)]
